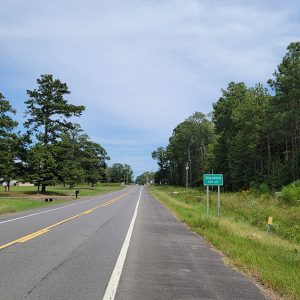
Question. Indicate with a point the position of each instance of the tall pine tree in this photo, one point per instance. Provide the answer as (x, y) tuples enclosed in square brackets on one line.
[(48, 112)]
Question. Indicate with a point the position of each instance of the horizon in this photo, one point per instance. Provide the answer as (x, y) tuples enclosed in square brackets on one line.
[(141, 68)]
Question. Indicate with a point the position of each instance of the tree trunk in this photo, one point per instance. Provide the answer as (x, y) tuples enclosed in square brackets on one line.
[(43, 188), (8, 185), (269, 157), (190, 166)]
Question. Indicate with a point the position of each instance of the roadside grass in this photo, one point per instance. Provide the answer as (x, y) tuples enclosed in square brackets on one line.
[(60, 190), (241, 235), (13, 205), (24, 198), (85, 190)]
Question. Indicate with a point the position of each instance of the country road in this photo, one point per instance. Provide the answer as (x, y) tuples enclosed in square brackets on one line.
[(77, 251)]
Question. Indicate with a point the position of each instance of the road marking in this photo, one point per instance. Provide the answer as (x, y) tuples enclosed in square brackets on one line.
[(116, 274), (32, 236), (46, 229), (61, 207)]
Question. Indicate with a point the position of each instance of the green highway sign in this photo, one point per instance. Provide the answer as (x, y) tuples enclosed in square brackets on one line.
[(213, 179)]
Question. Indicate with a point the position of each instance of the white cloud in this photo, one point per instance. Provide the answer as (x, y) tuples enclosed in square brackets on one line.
[(144, 65)]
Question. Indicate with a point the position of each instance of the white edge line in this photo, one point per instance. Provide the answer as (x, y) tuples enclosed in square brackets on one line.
[(53, 209), (116, 274)]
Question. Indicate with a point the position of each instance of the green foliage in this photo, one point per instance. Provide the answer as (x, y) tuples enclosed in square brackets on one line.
[(48, 110), (145, 178), (290, 194), (120, 173), (7, 124), (285, 118), (79, 159), (160, 154), (253, 139), (264, 188), (240, 121), (11, 144), (53, 149), (241, 235), (41, 165), (188, 147)]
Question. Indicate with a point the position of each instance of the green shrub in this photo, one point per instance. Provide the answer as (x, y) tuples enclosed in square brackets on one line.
[(290, 194), (264, 188)]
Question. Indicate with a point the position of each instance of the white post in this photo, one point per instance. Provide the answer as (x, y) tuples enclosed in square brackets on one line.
[(207, 201), (219, 202), (186, 175)]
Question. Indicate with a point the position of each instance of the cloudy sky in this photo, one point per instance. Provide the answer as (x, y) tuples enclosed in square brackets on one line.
[(140, 67)]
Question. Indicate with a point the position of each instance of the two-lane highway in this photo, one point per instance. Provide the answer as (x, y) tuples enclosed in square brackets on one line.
[(122, 245), (65, 253)]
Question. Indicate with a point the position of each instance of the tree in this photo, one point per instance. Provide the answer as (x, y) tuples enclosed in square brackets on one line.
[(225, 127), (10, 144), (254, 139), (68, 154), (120, 173), (241, 118), (47, 112), (286, 108), (128, 173), (160, 154), (93, 161), (145, 178), (187, 150), (80, 159), (41, 164)]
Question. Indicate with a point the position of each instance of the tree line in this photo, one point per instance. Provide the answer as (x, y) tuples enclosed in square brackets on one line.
[(145, 178), (52, 149), (252, 135)]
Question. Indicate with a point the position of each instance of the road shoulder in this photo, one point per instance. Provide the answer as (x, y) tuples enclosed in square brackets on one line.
[(167, 261)]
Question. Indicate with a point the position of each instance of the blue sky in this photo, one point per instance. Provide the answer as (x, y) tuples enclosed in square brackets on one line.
[(141, 67)]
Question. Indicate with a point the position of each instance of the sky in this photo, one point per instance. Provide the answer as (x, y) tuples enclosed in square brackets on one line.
[(141, 66)]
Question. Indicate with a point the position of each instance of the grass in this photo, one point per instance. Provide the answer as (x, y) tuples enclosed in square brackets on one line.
[(24, 198), (15, 205), (241, 235)]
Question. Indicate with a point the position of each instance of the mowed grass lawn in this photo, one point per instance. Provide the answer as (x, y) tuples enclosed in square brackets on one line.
[(23, 198), (241, 234)]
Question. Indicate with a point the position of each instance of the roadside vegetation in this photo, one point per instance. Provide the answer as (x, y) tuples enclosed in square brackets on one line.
[(24, 198), (252, 137), (50, 149), (241, 232), (145, 178)]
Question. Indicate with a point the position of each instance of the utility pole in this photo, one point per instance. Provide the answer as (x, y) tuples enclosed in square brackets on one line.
[(190, 165), (186, 175)]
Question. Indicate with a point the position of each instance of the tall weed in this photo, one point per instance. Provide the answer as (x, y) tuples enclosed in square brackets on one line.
[(290, 194)]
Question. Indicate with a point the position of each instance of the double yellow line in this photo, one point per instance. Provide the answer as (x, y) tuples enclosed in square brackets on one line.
[(46, 229)]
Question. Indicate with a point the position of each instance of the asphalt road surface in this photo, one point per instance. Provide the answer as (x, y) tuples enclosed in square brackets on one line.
[(122, 245)]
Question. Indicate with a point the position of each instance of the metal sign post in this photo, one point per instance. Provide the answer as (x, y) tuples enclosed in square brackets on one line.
[(270, 221), (219, 202), (212, 180), (207, 201)]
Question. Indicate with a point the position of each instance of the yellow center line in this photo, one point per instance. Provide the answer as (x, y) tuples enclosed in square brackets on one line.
[(32, 236), (46, 229)]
